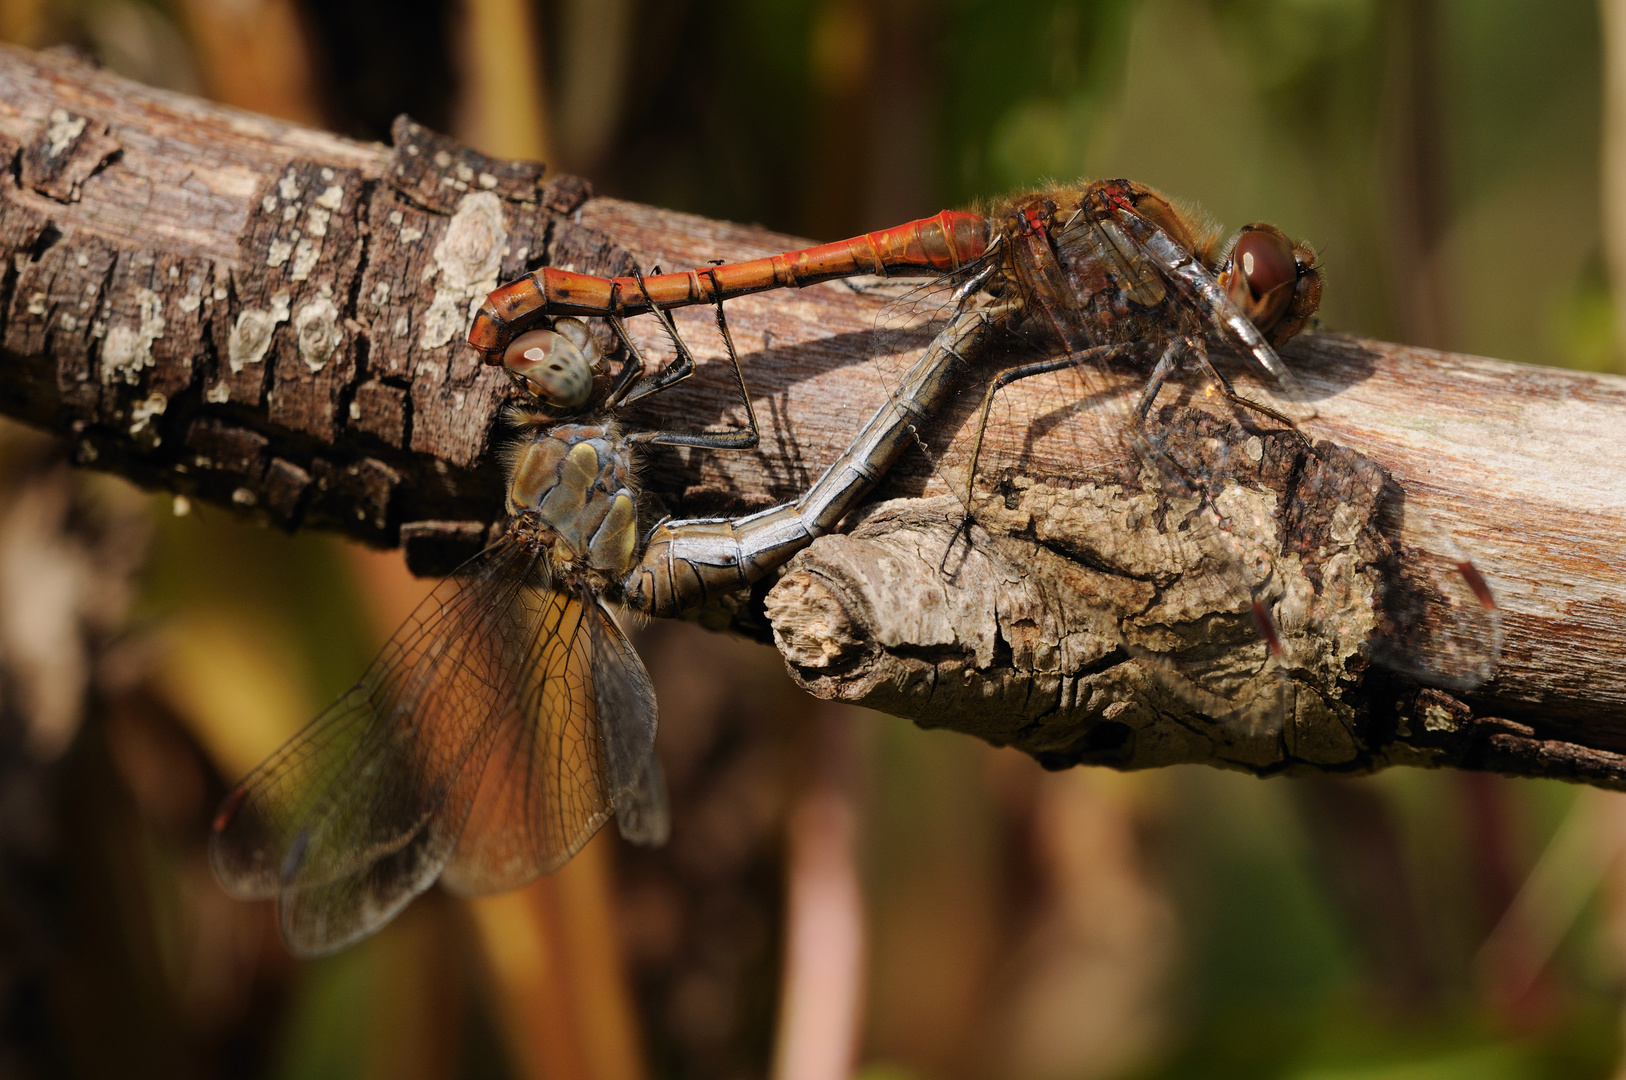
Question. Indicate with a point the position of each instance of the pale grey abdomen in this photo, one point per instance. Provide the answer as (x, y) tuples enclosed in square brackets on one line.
[(687, 563)]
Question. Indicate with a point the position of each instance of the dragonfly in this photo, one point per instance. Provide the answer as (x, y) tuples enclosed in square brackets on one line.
[(1092, 280), (510, 718)]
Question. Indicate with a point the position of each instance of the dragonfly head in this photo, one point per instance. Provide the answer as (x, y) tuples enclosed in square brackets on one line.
[(556, 365), (1273, 281)]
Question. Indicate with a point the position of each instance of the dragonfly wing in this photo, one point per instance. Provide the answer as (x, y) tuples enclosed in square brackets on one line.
[(642, 814), (358, 813), (1437, 620), (551, 782), (1210, 632), (1440, 623), (627, 717), (1203, 541), (580, 746)]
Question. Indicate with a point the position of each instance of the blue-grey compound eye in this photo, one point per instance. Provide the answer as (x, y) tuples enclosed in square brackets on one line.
[(559, 363)]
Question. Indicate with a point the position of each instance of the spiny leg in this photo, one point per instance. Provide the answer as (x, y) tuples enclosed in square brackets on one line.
[(670, 375), (999, 382), (1155, 450), (1165, 367), (625, 389), (1201, 353), (1027, 371), (632, 368), (738, 439)]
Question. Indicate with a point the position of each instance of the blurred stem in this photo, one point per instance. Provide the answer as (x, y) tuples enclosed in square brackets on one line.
[(416, 1024), (557, 976), (254, 55), (1421, 195), (842, 47), (594, 46), (899, 178), (503, 111), (22, 22), (1514, 960), (1362, 860), (1613, 190), (822, 999)]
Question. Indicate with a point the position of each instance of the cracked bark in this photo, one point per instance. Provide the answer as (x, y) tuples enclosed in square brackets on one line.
[(270, 318)]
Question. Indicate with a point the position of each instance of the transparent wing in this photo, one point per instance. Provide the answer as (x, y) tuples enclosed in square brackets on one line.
[(487, 683), (1194, 526), (399, 735), (1432, 614), (1436, 619), (585, 718), (626, 704)]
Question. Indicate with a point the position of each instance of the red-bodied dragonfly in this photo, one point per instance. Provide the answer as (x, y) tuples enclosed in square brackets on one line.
[(510, 718), (1100, 280)]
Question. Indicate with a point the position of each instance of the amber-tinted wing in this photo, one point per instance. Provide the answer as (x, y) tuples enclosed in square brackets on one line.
[(486, 685), (626, 709), (578, 746)]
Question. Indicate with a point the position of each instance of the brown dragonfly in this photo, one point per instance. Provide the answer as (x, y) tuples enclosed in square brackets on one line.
[(1094, 281), (510, 718)]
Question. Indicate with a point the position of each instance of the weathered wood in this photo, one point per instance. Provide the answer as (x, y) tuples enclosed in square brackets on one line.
[(258, 314), (270, 318)]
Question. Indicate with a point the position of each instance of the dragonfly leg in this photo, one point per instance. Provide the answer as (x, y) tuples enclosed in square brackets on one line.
[(1165, 367), (1224, 384), (1027, 371), (632, 368), (739, 438), (670, 375), (1154, 385)]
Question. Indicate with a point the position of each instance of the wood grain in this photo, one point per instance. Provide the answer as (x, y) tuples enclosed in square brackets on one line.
[(256, 314)]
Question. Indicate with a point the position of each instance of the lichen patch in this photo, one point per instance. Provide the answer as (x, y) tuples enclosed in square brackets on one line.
[(466, 263), (250, 337), (316, 328), (305, 256), (143, 412), (127, 350), (65, 127)]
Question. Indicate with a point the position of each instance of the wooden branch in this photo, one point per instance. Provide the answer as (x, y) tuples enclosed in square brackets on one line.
[(270, 318)]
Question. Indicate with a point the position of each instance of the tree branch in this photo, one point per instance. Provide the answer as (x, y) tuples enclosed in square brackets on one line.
[(271, 318)]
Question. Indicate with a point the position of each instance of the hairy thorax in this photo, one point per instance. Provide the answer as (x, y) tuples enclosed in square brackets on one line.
[(571, 488)]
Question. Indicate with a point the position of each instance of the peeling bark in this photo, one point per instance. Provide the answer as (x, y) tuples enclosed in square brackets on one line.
[(270, 318)]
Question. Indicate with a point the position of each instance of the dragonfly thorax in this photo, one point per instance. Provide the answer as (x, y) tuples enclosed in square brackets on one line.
[(1080, 260), (572, 485)]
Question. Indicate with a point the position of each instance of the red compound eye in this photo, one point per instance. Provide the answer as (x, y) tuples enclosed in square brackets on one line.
[(1265, 261)]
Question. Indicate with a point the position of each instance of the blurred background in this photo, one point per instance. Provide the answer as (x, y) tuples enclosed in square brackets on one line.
[(844, 894)]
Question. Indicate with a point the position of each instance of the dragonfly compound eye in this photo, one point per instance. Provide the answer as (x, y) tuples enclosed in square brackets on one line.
[(558, 363), (1261, 274)]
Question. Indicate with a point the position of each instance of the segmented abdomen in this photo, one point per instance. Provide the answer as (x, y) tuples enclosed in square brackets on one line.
[(686, 563), (941, 243)]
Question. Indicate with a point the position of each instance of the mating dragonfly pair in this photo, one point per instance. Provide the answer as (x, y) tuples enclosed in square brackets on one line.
[(510, 718)]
